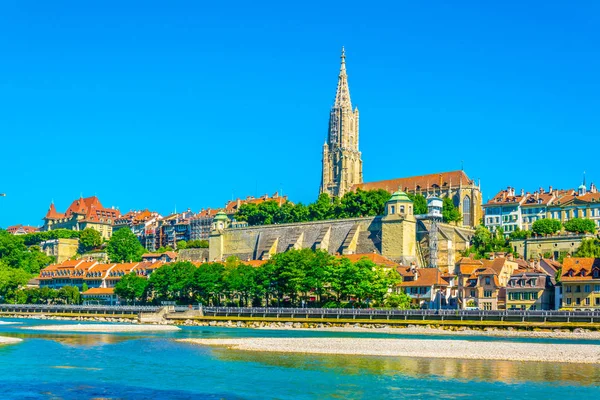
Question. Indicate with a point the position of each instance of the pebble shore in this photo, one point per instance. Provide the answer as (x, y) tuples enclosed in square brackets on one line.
[(577, 333), (9, 340), (464, 349), (103, 328)]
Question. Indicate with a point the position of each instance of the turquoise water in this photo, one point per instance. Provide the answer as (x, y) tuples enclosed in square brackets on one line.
[(153, 366)]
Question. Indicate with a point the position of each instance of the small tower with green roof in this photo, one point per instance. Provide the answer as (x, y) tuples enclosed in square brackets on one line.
[(215, 239), (398, 229)]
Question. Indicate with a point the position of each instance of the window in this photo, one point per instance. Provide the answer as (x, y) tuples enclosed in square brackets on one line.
[(487, 306), (596, 288), (526, 296), (586, 288), (534, 296), (578, 301), (392, 209), (472, 293), (487, 280), (402, 209), (597, 301), (587, 301), (577, 289), (487, 293), (568, 301)]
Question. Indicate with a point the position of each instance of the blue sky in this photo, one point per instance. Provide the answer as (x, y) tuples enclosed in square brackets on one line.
[(183, 104)]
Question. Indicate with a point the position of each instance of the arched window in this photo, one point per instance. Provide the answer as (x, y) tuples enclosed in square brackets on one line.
[(466, 210)]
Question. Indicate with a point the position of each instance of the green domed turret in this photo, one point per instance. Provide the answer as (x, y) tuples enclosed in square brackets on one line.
[(401, 197), (221, 216)]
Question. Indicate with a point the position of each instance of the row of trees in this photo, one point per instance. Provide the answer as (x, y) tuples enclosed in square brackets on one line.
[(361, 203), (287, 279), (14, 253)]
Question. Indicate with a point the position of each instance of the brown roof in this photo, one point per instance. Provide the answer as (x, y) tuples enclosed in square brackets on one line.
[(89, 207), (232, 206), (374, 257), (425, 277), (421, 182), (95, 291), (579, 268), (255, 263)]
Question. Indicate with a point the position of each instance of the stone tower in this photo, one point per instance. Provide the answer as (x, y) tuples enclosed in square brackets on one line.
[(342, 163)]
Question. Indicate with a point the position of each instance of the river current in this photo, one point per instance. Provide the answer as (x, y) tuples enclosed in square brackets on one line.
[(60, 365)]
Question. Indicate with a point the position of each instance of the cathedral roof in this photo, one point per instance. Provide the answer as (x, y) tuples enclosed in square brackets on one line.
[(443, 180)]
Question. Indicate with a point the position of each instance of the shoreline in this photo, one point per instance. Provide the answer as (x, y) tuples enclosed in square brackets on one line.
[(435, 348), (9, 340), (576, 333), (104, 328)]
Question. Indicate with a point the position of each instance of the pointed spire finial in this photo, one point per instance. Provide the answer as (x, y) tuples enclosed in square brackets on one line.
[(342, 97)]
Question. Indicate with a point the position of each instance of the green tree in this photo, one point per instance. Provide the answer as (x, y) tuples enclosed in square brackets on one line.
[(11, 280), (69, 295), (400, 300), (320, 210), (89, 239), (208, 282), (241, 281), (580, 225), (182, 244), (450, 213), (419, 203), (164, 249), (14, 253), (519, 234), (124, 246), (131, 287), (588, 248), (546, 226), (197, 244)]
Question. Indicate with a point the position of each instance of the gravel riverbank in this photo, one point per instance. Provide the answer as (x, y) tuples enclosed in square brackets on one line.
[(9, 340), (103, 328), (463, 349)]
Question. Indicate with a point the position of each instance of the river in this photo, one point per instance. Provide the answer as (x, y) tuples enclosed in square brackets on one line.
[(153, 366)]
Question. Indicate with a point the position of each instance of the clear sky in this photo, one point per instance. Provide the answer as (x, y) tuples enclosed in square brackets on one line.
[(187, 104)]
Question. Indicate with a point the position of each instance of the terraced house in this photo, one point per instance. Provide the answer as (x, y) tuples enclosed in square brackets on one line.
[(530, 290), (482, 283), (428, 287), (512, 211), (581, 283)]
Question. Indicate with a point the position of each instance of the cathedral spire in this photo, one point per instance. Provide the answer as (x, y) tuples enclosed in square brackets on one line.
[(342, 163), (342, 96)]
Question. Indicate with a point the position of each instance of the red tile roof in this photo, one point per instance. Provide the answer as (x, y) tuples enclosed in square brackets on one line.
[(423, 277), (96, 291), (232, 206), (23, 228), (421, 182), (89, 207), (374, 257), (579, 268)]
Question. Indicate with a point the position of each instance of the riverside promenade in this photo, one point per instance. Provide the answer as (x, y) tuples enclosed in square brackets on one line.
[(322, 316)]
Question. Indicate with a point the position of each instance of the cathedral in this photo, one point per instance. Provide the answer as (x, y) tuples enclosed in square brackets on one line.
[(342, 164)]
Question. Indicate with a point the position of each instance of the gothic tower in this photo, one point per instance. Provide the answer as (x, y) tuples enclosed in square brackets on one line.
[(342, 164)]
